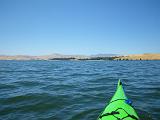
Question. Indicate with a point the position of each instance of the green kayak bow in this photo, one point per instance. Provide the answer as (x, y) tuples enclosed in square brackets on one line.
[(119, 108)]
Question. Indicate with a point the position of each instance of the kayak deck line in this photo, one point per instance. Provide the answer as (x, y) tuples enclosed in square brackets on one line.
[(116, 100), (119, 107), (115, 112)]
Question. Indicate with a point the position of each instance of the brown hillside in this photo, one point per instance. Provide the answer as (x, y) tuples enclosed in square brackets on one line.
[(140, 57)]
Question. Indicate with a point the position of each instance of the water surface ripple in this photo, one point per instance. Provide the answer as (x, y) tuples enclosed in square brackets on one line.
[(75, 90)]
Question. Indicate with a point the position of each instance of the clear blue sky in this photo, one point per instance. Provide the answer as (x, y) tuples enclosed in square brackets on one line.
[(37, 27)]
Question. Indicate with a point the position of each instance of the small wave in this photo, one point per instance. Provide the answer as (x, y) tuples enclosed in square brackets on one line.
[(7, 86), (90, 114), (29, 83)]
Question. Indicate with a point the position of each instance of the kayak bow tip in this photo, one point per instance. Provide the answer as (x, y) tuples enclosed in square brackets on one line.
[(119, 83)]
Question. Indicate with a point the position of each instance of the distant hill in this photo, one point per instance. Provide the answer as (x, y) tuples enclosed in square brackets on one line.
[(147, 56), (17, 57), (57, 56), (104, 55)]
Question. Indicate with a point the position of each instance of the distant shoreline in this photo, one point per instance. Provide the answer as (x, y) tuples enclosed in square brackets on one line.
[(83, 58)]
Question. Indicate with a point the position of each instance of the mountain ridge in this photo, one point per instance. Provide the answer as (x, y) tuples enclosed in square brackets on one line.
[(51, 56), (57, 56)]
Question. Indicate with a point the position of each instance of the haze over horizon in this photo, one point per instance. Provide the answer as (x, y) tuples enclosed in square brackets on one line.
[(79, 27)]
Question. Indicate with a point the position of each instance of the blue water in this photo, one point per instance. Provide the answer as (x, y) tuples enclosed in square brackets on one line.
[(75, 90)]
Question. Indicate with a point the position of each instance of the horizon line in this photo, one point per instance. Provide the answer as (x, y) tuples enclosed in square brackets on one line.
[(77, 54)]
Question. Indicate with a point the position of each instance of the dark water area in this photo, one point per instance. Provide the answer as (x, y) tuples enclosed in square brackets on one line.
[(75, 90)]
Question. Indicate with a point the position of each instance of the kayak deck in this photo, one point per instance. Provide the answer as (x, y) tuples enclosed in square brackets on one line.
[(119, 108)]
